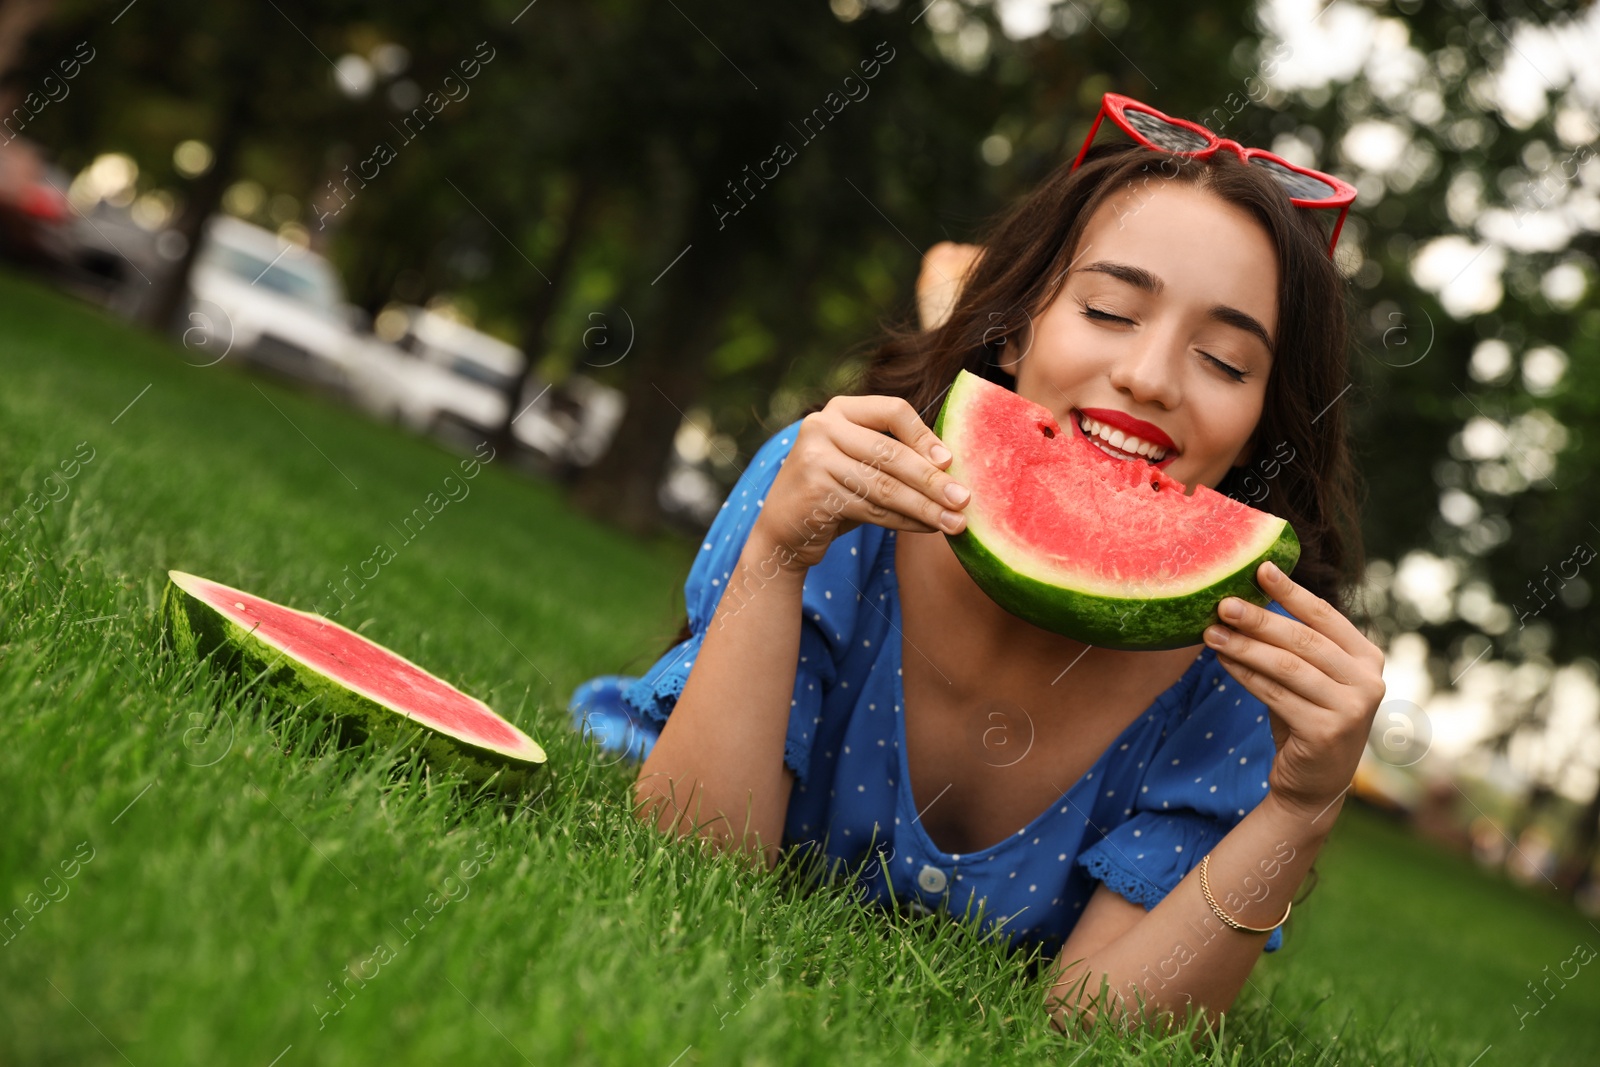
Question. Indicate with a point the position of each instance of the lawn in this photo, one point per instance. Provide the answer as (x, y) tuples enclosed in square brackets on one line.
[(205, 877)]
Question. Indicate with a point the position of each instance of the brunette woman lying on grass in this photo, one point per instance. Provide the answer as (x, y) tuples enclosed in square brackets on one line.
[(836, 687)]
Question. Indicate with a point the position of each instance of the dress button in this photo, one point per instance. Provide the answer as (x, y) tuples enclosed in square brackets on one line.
[(931, 879)]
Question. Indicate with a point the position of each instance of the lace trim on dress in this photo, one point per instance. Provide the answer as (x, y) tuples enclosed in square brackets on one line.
[(1125, 883), (655, 698)]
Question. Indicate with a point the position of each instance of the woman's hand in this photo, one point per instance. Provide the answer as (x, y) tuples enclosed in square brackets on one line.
[(842, 471), (944, 268), (1321, 680)]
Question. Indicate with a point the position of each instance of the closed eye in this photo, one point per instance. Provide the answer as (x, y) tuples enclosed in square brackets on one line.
[(1096, 313), (1106, 316), (1232, 372)]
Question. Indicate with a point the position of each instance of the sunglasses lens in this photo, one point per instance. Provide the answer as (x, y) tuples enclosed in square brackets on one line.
[(1299, 186), (1163, 134)]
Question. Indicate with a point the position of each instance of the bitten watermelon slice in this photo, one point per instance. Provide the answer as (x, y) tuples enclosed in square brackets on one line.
[(369, 689), (1106, 551)]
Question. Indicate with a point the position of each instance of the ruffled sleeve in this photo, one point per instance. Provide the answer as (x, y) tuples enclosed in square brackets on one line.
[(1207, 773), (656, 693)]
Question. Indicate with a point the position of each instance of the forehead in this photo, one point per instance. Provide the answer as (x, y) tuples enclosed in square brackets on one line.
[(1205, 250)]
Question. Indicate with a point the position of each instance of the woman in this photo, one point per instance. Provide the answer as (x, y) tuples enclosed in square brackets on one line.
[(843, 685)]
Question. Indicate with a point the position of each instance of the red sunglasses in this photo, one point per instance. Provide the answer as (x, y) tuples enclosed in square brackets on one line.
[(1152, 129)]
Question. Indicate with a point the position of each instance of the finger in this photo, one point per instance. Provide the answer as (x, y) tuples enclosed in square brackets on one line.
[(1296, 714), (1280, 725), (904, 463), (872, 494), (1281, 669), (1314, 611), (894, 415), (1294, 637)]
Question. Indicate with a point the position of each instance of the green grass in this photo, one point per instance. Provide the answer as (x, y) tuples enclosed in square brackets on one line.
[(239, 866)]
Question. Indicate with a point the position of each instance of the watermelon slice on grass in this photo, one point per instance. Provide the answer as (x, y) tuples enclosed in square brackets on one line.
[(369, 690), (1107, 551)]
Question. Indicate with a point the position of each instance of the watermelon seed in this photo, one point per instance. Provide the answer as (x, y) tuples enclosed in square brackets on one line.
[(1156, 485), (1048, 432)]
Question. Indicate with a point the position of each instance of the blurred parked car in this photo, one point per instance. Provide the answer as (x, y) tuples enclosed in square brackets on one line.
[(440, 376), (571, 424), (94, 251), (34, 213), (271, 302), (453, 380)]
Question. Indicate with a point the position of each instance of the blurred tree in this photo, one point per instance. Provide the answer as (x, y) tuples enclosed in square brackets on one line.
[(250, 82), (18, 19)]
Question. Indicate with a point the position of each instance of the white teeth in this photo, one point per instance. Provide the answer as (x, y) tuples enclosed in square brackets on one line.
[(1122, 442)]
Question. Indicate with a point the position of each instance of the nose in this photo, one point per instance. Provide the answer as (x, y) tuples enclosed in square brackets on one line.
[(1148, 371)]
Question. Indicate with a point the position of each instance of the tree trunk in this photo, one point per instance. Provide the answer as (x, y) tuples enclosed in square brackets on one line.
[(166, 303), (666, 381), (680, 325), (545, 300), (674, 320)]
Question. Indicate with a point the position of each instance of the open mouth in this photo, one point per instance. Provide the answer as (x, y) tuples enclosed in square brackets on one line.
[(1126, 448)]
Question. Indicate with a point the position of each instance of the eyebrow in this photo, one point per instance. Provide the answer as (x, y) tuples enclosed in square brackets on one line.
[(1140, 278)]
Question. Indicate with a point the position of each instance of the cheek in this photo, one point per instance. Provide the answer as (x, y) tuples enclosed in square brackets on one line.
[(1054, 362), (1227, 429), (1062, 346)]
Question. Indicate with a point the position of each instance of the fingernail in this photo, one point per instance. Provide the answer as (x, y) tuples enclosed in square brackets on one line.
[(956, 493), (951, 519), (1231, 609), (1217, 635), (1272, 570), (941, 454)]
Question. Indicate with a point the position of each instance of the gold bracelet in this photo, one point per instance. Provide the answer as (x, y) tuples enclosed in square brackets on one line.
[(1205, 888)]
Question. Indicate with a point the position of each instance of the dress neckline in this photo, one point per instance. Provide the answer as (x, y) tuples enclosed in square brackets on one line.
[(909, 803)]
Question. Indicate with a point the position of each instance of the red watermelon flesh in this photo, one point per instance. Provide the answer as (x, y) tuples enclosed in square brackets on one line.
[(1112, 552), (330, 660)]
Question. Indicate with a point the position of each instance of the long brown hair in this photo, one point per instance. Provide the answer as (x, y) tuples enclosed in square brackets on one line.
[(1027, 252)]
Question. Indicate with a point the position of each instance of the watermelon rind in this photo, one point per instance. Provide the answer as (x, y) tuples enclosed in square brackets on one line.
[(195, 629), (1132, 622)]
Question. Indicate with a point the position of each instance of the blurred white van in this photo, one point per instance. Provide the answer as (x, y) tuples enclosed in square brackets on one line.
[(455, 377), (257, 297), (443, 374), (571, 424)]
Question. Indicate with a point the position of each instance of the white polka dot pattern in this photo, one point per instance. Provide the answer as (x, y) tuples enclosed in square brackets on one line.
[(1203, 742)]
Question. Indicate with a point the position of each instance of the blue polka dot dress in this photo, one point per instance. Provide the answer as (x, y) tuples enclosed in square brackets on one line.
[(1163, 793)]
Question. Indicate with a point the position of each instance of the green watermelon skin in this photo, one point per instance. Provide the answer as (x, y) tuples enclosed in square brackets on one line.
[(1125, 623), (1128, 624), (195, 629)]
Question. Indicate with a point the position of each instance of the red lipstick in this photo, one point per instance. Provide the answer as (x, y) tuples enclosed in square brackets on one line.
[(1132, 427)]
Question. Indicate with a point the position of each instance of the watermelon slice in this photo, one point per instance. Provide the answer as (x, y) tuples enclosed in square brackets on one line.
[(1106, 551), (369, 689)]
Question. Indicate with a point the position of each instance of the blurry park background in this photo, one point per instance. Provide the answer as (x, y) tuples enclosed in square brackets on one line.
[(556, 227)]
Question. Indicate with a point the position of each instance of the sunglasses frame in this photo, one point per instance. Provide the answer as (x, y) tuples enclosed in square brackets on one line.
[(1116, 105)]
